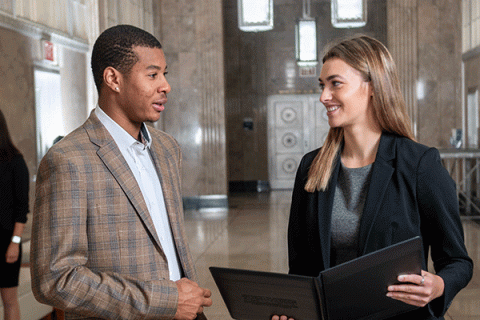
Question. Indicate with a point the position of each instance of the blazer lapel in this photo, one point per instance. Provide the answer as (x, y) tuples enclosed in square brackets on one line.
[(112, 158), (381, 176)]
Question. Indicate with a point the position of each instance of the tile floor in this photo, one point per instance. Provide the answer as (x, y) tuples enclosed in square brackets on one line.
[(251, 234)]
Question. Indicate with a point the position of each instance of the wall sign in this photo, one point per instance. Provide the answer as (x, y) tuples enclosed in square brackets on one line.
[(49, 51)]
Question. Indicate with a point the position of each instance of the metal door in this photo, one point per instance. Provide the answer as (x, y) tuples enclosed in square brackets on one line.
[(297, 125)]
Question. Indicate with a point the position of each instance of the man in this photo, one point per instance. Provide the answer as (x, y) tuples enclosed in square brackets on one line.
[(108, 240)]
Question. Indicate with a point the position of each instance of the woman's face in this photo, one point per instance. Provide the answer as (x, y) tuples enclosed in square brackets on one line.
[(345, 95)]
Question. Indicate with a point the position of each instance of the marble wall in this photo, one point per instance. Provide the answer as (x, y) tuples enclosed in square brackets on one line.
[(65, 17), (23, 26), (74, 73), (471, 53), (439, 68), (191, 34), (221, 77), (22, 29), (20, 55), (472, 73), (425, 37), (137, 13), (17, 100), (402, 42), (472, 70), (262, 64)]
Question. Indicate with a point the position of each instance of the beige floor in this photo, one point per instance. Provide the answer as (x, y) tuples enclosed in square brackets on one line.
[(251, 234)]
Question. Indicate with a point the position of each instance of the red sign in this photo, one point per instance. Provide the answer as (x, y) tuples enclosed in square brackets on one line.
[(48, 51)]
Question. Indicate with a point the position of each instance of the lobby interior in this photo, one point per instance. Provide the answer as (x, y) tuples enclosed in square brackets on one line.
[(239, 163)]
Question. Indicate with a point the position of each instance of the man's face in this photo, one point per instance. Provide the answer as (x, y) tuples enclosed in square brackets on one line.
[(143, 91)]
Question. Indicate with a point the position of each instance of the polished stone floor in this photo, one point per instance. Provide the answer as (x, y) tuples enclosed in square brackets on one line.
[(251, 234)]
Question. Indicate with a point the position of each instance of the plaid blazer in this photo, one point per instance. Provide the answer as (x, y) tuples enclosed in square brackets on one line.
[(94, 252)]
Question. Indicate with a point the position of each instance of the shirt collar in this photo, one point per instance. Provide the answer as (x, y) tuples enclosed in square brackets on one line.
[(122, 137)]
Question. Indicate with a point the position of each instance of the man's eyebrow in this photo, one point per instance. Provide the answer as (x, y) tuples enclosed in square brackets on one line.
[(154, 67)]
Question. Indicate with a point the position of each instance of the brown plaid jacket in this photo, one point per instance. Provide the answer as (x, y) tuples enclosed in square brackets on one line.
[(95, 252)]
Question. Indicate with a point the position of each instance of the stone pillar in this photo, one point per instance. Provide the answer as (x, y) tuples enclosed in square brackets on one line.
[(425, 40), (402, 43), (192, 37)]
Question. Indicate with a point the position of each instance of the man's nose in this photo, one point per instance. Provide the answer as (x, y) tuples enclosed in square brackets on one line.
[(165, 86)]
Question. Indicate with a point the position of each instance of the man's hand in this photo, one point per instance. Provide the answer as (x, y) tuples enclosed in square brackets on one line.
[(191, 299)]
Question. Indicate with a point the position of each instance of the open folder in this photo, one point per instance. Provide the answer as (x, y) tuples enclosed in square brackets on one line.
[(353, 290)]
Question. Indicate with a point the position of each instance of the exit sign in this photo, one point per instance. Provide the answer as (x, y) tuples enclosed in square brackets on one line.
[(49, 51)]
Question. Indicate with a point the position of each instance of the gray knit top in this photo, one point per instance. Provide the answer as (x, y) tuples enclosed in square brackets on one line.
[(348, 202)]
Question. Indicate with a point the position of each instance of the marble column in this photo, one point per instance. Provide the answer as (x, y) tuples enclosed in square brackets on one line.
[(425, 40), (402, 43), (192, 37)]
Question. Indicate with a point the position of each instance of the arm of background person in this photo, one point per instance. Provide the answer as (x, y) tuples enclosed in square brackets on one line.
[(21, 181)]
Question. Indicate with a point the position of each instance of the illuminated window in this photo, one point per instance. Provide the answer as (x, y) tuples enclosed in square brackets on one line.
[(255, 15), (306, 42), (349, 13)]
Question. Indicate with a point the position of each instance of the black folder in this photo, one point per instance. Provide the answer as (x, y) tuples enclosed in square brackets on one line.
[(353, 290)]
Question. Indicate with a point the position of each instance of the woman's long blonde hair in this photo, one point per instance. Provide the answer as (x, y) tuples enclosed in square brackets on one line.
[(372, 59)]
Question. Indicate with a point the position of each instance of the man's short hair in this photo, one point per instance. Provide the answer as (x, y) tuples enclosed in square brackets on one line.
[(114, 48)]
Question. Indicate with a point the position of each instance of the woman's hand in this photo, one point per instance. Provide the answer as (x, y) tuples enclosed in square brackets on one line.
[(417, 290), (13, 252), (281, 318)]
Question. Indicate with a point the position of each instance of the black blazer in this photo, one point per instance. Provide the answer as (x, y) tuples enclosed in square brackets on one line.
[(410, 194), (14, 184)]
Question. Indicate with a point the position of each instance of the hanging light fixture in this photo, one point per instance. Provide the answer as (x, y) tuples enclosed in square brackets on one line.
[(349, 13), (255, 15), (306, 38)]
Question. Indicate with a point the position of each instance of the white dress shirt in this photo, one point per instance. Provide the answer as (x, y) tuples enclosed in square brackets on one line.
[(138, 157)]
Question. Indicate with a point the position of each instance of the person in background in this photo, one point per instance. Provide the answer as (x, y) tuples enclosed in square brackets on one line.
[(371, 185), (108, 235), (14, 186)]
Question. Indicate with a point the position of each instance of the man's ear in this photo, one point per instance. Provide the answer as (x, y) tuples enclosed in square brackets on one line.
[(112, 78)]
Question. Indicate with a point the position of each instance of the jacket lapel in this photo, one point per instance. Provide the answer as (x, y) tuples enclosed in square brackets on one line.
[(381, 176), (112, 158)]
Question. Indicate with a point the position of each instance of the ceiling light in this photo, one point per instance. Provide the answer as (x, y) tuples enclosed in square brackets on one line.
[(349, 13), (255, 15)]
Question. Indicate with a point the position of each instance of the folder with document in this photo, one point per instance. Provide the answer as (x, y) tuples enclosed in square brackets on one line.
[(353, 290)]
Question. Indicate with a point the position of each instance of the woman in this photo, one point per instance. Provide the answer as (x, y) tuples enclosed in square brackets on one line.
[(371, 185), (14, 183)]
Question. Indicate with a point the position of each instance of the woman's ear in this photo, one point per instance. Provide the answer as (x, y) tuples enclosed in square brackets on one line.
[(112, 78)]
